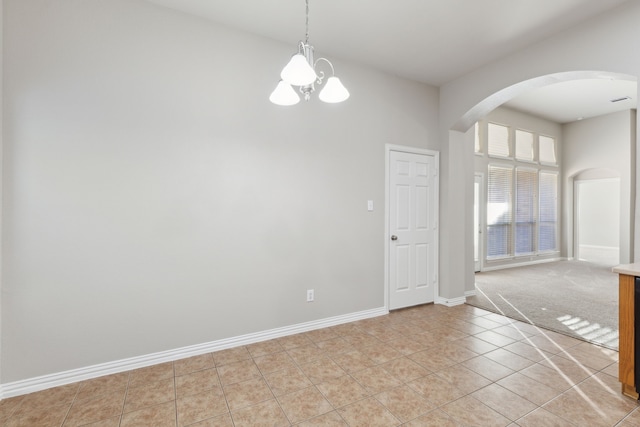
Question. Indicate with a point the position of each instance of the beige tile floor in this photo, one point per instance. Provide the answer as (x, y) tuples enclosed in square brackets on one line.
[(424, 366)]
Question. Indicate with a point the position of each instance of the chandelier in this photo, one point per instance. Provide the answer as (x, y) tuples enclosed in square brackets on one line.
[(301, 72)]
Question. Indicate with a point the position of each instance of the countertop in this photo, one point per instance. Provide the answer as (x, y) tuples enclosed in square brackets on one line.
[(628, 269)]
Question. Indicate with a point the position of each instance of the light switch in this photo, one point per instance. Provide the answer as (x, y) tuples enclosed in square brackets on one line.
[(370, 205)]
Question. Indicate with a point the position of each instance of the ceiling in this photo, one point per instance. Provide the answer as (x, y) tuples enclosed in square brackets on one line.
[(402, 37), (573, 100)]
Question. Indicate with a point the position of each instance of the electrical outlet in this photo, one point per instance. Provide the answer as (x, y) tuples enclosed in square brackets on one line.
[(309, 295)]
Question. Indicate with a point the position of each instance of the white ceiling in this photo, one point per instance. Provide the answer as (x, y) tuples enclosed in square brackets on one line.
[(402, 37), (578, 99)]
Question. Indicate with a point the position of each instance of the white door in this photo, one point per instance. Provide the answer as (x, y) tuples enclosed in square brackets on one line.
[(413, 251)]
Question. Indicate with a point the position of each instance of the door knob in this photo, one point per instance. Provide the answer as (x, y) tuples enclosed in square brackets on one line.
[(394, 237)]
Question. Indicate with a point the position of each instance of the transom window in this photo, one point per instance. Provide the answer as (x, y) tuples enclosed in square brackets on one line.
[(524, 145), (547, 148), (498, 140)]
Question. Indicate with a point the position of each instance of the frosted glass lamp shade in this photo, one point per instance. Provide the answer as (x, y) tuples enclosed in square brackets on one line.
[(333, 91), (298, 72), (284, 94)]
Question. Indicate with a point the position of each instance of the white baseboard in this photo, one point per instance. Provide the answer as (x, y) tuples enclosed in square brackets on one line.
[(31, 385), (451, 302), (601, 248), (472, 293), (521, 264), (599, 254)]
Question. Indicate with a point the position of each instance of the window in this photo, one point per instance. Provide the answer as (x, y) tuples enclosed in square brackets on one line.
[(500, 182), (476, 133), (548, 212), (498, 140), (521, 194), (547, 148), (525, 210), (523, 222), (524, 145)]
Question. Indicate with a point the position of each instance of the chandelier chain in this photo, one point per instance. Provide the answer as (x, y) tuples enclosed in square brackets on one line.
[(307, 23)]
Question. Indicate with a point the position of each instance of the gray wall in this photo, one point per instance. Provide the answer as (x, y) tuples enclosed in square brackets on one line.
[(600, 147), (155, 199)]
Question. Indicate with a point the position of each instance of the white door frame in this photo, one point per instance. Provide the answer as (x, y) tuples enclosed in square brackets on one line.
[(576, 219), (412, 150), (482, 208)]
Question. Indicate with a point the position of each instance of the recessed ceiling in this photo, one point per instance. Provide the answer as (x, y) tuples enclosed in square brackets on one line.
[(430, 41), (578, 99)]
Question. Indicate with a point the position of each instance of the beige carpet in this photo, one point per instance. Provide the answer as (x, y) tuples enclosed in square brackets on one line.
[(576, 298)]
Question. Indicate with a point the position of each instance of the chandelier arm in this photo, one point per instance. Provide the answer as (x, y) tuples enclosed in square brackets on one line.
[(321, 73), (333, 72)]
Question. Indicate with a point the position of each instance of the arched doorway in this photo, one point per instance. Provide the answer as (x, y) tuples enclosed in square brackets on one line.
[(566, 204), (457, 266)]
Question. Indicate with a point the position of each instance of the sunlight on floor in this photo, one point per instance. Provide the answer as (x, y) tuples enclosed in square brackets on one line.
[(590, 331)]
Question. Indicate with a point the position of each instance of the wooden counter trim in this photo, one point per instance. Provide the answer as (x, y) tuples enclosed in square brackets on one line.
[(626, 373)]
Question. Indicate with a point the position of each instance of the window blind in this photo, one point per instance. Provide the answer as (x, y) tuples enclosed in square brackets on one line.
[(525, 210), (499, 217), (548, 223)]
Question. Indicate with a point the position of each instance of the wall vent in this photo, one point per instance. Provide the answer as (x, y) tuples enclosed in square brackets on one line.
[(624, 98)]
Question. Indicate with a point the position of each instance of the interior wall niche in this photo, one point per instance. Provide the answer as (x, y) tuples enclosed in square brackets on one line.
[(597, 218)]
